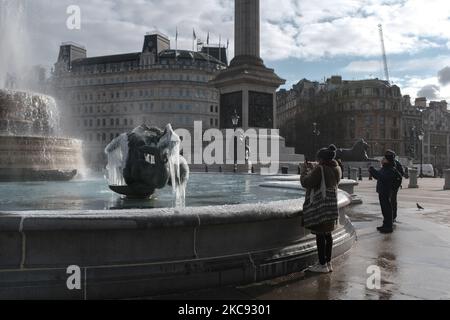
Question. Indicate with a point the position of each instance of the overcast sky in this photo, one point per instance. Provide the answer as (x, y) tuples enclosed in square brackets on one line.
[(299, 38)]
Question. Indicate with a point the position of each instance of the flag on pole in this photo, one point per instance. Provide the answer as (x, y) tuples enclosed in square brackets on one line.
[(220, 47), (194, 37), (176, 43), (207, 47), (228, 44)]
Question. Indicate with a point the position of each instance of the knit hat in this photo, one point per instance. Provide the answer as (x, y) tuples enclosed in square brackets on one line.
[(327, 154), (390, 155)]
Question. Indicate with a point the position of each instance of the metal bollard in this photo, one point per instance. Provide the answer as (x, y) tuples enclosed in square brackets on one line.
[(354, 174), (206, 168), (447, 179), (413, 179), (349, 175), (360, 177)]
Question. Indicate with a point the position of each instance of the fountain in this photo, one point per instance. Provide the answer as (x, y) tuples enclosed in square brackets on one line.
[(79, 240), (144, 160), (30, 149)]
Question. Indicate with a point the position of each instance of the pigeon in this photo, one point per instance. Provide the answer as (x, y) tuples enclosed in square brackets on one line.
[(419, 207)]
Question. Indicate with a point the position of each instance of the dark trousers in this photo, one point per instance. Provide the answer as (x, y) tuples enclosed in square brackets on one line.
[(386, 209), (394, 204), (324, 247)]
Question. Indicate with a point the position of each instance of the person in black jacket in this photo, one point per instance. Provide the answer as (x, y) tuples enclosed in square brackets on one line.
[(386, 178), (391, 156)]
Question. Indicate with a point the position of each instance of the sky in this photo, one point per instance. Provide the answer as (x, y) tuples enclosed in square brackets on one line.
[(299, 38)]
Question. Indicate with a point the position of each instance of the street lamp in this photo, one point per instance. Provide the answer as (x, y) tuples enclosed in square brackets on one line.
[(316, 134), (435, 149), (413, 142), (421, 137), (235, 121)]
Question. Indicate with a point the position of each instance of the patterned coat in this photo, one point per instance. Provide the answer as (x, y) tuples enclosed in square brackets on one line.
[(311, 180)]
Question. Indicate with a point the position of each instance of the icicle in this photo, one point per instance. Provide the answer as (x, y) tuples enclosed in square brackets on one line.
[(117, 152)]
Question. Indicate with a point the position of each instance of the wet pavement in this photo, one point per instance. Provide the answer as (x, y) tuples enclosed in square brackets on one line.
[(414, 261)]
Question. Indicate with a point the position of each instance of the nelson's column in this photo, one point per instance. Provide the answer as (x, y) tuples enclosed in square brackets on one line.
[(247, 86)]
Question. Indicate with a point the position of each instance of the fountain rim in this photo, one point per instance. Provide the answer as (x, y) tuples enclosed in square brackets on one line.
[(31, 137), (157, 217)]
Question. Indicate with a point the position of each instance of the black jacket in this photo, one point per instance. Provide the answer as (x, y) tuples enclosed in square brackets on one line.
[(385, 178), (399, 168)]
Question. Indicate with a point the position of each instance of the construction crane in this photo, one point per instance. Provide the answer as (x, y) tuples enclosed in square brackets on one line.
[(383, 49)]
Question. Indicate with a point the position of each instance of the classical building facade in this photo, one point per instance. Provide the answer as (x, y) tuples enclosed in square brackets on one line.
[(102, 97), (433, 121), (345, 111), (313, 114)]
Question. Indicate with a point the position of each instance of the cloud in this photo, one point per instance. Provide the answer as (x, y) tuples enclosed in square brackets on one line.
[(444, 76), (427, 64), (363, 66), (430, 91), (308, 30)]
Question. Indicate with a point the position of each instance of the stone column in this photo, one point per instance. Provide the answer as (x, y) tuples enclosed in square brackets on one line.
[(247, 28), (447, 179), (413, 179), (245, 101)]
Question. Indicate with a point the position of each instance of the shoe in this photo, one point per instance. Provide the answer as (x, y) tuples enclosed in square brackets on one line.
[(380, 228), (395, 221), (330, 267), (318, 268), (386, 230)]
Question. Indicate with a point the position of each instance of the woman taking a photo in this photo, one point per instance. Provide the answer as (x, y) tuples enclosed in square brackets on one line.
[(320, 211)]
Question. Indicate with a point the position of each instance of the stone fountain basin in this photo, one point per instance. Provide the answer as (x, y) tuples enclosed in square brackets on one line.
[(138, 253), (34, 158)]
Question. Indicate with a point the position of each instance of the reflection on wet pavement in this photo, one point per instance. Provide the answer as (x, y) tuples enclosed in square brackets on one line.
[(414, 261)]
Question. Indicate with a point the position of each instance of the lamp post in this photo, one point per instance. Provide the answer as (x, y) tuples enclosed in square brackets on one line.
[(421, 136), (435, 149), (413, 143), (316, 134), (235, 121)]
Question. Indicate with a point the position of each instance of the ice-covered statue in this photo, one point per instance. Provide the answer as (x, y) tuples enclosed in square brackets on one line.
[(146, 159)]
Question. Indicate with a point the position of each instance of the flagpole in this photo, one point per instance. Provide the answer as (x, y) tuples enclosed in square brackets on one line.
[(207, 46), (228, 44), (193, 39), (220, 48), (176, 44)]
